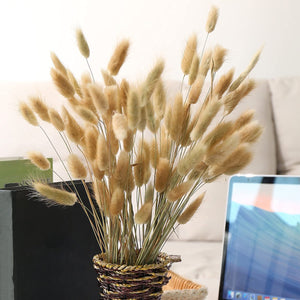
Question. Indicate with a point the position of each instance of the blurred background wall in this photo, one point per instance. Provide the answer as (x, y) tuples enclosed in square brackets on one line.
[(30, 29)]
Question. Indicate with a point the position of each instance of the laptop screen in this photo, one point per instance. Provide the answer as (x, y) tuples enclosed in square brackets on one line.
[(261, 258)]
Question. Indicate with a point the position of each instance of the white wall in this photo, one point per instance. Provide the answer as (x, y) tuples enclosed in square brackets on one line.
[(30, 29)]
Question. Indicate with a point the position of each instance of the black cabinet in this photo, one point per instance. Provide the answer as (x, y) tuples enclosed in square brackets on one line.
[(46, 252)]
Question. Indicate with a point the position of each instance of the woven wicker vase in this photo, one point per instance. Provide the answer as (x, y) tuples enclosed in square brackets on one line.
[(132, 282)]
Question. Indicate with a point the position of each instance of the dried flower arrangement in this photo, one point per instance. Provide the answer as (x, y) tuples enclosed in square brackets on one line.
[(143, 188)]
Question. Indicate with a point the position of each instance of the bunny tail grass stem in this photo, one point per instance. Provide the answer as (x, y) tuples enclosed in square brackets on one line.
[(65, 140), (90, 69), (98, 230)]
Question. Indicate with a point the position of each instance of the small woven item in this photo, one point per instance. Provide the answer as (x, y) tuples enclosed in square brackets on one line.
[(132, 282)]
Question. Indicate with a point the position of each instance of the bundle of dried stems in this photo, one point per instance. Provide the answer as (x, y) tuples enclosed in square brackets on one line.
[(143, 188)]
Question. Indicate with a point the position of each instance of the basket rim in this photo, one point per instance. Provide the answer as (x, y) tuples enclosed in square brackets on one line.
[(163, 261)]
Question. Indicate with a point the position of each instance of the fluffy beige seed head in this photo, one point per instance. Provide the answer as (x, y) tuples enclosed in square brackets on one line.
[(40, 108), (162, 174), (205, 62), (188, 54), (133, 110), (74, 131), (86, 114), (58, 64), (250, 132), (56, 119), (99, 99), (212, 19), (177, 119), (62, 83), (59, 196), (151, 81), (98, 174), (74, 83), (159, 100), (128, 142), (194, 69), (196, 89), (90, 139), (118, 57), (120, 126), (82, 43), (108, 79), (144, 213), (179, 191), (76, 167), (218, 57), (244, 119), (190, 210), (223, 83), (122, 170), (102, 156), (117, 202), (28, 114), (39, 160)]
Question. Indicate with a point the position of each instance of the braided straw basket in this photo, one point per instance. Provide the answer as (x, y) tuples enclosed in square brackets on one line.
[(132, 282)]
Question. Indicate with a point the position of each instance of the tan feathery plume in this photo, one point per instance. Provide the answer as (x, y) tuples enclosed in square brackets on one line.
[(139, 168), (102, 156), (151, 81), (86, 114), (149, 193), (58, 64), (62, 83), (108, 79), (250, 132), (212, 19), (240, 158), (96, 172), (73, 129), (144, 213), (244, 119), (101, 196), (76, 167), (56, 119), (193, 157), (154, 153), (128, 141), (163, 172), (196, 89), (216, 154), (111, 93), (123, 94), (99, 99), (190, 210), (179, 191), (122, 169), (117, 202), (205, 119), (39, 160), (118, 57), (150, 116), (232, 99), (82, 43), (165, 145), (205, 63), (120, 126), (133, 111), (113, 142), (28, 114), (59, 196), (177, 119), (218, 57), (141, 126), (194, 69), (74, 83), (198, 171), (159, 100), (90, 141), (39, 107), (188, 54), (223, 83), (218, 133), (244, 74)]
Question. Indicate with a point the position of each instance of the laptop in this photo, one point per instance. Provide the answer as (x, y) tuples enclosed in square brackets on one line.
[(261, 255)]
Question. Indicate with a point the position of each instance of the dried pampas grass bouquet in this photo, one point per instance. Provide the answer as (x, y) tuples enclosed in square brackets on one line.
[(142, 156)]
